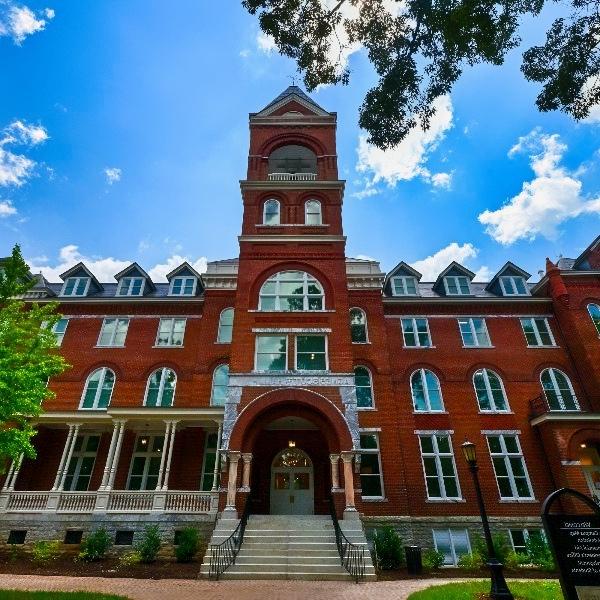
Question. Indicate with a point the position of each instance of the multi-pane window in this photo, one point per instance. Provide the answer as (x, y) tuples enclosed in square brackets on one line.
[(509, 466), (490, 391), (370, 466), (474, 332), (161, 388), (170, 332), (453, 543), (98, 389), (225, 326), (520, 537), (364, 387), (59, 329), (358, 326), (311, 353), (439, 467), (558, 390), (113, 332), (145, 462), (208, 462), (81, 464), (426, 391), (537, 331), (291, 291), (404, 286), (271, 212), (416, 333), (131, 286), (513, 286), (312, 213), (218, 394), (457, 285), (271, 353), (183, 286), (76, 286), (594, 310)]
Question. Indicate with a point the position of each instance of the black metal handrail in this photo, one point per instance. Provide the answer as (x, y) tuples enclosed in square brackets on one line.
[(223, 555), (352, 556)]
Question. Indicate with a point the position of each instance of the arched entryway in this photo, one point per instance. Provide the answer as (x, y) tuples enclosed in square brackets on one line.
[(292, 483), (584, 446)]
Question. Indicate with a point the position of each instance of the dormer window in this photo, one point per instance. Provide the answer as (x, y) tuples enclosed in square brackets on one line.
[(457, 285), (131, 286), (404, 286), (76, 286), (183, 286), (513, 286)]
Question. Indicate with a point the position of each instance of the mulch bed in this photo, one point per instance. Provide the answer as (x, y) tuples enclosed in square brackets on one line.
[(449, 573)]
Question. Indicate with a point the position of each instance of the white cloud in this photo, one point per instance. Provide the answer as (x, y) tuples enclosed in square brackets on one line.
[(245, 53), (113, 175), (15, 169), (265, 42), (409, 158), (158, 272), (18, 22), (7, 209), (442, 180), (553, 196), (434, 264)]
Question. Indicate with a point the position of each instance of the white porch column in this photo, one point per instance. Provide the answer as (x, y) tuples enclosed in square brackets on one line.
[(165, 485), (15, 473), (234, 459), (109, 456), (65, 468), (165, 449), (11, 469), (217, 456), (348, 482), (61, 464), (115, 459), (247, 458), (335, 472)]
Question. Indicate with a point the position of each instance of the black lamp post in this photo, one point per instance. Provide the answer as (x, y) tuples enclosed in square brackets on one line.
[(499, 589)]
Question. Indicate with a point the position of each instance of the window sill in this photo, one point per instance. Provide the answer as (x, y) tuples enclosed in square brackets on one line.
[(266, 225), (538, 347), (366, 408), (430, 412), (478, 347), (418, 347), (373, 499), (290, 312), (496, 412), (98, 346), (362, 343), (223, 343), (445, 500), (167, 346), (518, 500)]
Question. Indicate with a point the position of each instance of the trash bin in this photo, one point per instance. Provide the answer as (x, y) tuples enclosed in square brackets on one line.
[(414, 564)]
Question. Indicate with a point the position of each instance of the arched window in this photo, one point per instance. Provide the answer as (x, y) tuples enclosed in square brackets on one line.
[(291, 291), (558, 390), (271, 212), (225, 326), (426, 391), (161, 388), (312, 213), (218, 394), (358, 326), (98, 389), (594, 311), (489, 390), (293, 159), (364, 387)]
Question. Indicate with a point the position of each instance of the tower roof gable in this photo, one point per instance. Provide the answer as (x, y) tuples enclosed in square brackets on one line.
[(292, 94)]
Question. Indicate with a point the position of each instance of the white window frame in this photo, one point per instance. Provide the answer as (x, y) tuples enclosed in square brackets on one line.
[(98, 390), (373, 451), (161, 387), (436, 454), (212, 385), (147, 456), (536, 332), (170, 344), (275, 277), (421, 372), (88, 280), (402, 280), (450, 531), (221, 325), (556, 388), (264, 219), (456, 279), (513, 282), (182, 292), (112, 344), (372, 407), (287, 352), (592, 317), (366, 325), (296, 352), (506, 456), (526, 533), (470, 321), (307, 213), (79, 455), (130, 282), (60, 335), (488, 388), (413, 323)]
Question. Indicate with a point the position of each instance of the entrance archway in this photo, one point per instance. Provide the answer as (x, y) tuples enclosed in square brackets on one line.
[(292, 483)]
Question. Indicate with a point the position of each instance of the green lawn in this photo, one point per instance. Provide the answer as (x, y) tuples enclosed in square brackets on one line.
[(21, 595), (525, 590)]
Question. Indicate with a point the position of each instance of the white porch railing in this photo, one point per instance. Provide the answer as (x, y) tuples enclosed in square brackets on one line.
[(188, 502), (27, 501), (292, 176), (126, 501), (77, 502)]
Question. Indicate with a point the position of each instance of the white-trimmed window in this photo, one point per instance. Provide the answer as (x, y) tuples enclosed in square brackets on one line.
[(271, 353), (59, 329), (225, 326), (416, 333), (404, 286), (271, 212), (81, 465), (311, 353), (537, 331), (312, 213), (208, 462), (426, 391), (160, 389), (113, 332), (594, 310), (489, 390), (98, 389), (452, 543), (439, 468), (371, 480), (131, 286), (558, 390), (474, 332), (170, 332), (520, 537), (364, 387), (358, 326), (291, 291), (145, 462), (509, 466), (75, 286), (457, 285), (220, 381), (513, 286), (183, 286)]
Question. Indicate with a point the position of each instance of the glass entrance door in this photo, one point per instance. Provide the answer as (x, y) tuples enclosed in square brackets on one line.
[(292, 486)]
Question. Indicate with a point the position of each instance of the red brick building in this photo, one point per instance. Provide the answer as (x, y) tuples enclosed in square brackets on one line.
[(309, 375)]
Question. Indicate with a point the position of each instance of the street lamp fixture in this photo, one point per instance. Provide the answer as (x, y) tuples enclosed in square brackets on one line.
[(499, 590)]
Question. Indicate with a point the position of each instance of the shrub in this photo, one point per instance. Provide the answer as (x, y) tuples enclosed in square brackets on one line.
[(149, 545), (45, 551), (130, 558), (502, 546), (471, 562), (513, 561), (388, 548), (95, 545), (432, 559), (539, 553), (189, 541)]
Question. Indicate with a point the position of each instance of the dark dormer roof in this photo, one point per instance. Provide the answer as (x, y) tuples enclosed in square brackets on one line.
[(508, 269), (41, 288), (134, 270), (184, 270), (452, 269), (581, 262), (80, 270), (401, 269)]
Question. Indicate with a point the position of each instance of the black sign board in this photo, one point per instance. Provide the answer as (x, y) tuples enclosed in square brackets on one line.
[(575, 542)]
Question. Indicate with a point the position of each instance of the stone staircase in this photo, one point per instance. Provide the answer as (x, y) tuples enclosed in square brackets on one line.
[(289, 547)]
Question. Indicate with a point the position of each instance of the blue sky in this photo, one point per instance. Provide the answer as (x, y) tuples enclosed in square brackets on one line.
[(124, 132)]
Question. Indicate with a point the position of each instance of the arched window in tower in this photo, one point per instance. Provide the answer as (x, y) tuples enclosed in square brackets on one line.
[(225, 326), (594, 310), (312, 213), (220, 381), (160, 389), (98, 389), (291, 291), (358, 326), (558, 390), (364, 387), (271, 212), (293, 159)]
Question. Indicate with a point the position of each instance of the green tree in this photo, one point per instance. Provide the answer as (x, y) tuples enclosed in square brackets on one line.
[(419, 49), (28, 357)]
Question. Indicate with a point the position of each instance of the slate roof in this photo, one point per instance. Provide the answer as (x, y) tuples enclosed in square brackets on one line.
[(293, 89), (110, 291)]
